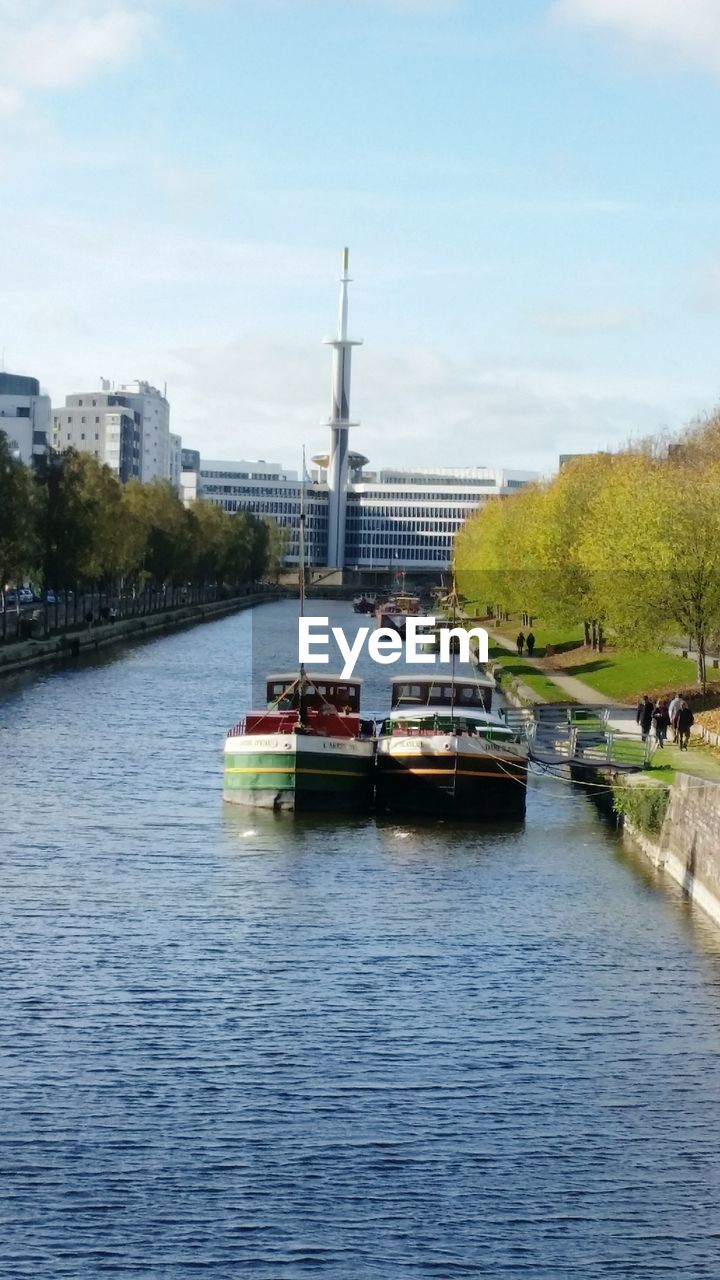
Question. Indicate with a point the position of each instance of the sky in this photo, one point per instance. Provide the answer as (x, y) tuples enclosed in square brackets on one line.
[(529, 191)]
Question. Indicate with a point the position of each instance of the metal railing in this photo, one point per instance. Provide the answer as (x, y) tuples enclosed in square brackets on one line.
[(75, 611)]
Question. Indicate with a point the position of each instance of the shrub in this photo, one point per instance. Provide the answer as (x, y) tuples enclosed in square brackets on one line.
[(643, 806)]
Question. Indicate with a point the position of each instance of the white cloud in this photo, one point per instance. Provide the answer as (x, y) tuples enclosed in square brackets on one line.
[(265, 397), (58, 44), (705, 288), (688, 30), (214, 315), (561, 323)]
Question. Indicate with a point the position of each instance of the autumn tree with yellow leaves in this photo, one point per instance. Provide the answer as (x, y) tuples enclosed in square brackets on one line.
[(629, 542)]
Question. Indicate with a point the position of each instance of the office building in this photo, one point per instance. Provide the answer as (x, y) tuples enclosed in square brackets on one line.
[(25, 416), (103, 424), (126, 427)]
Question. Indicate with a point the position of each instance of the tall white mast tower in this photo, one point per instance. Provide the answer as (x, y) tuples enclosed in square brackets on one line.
[(339, 423)]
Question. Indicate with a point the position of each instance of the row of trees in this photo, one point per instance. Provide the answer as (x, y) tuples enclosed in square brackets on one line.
[(68, 520), (627, 541)]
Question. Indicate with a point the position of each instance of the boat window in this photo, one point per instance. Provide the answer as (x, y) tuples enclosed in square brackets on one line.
[(470, 695), (404, 693)]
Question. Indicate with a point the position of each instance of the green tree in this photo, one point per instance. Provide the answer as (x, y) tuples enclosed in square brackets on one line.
[(211, 540), (653, 544), (568, 592), (167, 530), (18, 538), (275, 549)]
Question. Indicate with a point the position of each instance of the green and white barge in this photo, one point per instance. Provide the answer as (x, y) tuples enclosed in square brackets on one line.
[(308, 750)]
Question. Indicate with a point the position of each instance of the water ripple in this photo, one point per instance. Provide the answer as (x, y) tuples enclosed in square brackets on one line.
[(234, 1045)]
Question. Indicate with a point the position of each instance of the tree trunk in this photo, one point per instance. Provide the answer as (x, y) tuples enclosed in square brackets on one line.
[(702, 663), (586, 629), (594, 633), (600, 638)]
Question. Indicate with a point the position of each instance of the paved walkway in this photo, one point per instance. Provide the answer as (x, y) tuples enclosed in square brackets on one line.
[(699, 761), (576, 690)]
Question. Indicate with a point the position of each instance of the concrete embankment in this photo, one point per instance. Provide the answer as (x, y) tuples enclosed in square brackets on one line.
[(687, 845), (72, 644)]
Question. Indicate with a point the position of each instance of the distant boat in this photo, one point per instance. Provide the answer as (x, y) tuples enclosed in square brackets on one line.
[(308, 750), (365, 603), (443, 751), (394, 613)]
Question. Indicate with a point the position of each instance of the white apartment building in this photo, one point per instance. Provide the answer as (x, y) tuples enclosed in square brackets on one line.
[(125, 427), (154, 412), (25, 416), (103, 424)]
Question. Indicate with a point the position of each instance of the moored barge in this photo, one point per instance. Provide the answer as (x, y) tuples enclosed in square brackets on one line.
[(443, 751), (308, 750)]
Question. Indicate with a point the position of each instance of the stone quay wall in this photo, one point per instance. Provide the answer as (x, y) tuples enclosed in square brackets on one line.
[(71, 644), (688, 845)]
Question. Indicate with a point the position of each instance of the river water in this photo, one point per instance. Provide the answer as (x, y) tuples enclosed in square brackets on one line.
[(242, 1045)]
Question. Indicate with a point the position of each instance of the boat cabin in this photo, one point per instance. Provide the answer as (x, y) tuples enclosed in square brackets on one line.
[(402, 604), (283, 692), (330, 708), (458, 693)]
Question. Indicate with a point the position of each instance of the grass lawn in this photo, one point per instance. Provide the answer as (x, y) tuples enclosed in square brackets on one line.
[(617, 674), (624, 676), (661, 773), (561, 638), (514, 667)]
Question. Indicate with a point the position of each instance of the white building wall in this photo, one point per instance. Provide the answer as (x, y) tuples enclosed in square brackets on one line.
[(189, 485), (267, 489), (175, 448), (91, 423), (396, 520), (24, 419), (155, 428), (409, 519)]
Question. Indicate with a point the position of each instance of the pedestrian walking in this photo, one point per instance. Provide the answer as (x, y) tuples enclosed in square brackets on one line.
[(661, 721), (684, 723), (644, 715), (530, 643), (675, 704), (520, 642)]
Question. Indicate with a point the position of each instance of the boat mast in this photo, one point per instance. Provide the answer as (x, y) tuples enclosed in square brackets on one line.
[(302, 709), (452, 670), (301, 540)]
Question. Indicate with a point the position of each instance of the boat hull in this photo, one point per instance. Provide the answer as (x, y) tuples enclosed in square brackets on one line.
[(451, 775), (298, 772), (392, 621)]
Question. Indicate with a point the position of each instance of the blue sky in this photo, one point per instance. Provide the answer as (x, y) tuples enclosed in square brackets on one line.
[(529, 191)]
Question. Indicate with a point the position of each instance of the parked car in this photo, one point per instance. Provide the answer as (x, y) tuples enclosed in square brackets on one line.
[(51, 597)]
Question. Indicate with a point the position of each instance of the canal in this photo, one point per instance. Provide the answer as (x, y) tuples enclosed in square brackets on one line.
[(233, 1044)]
